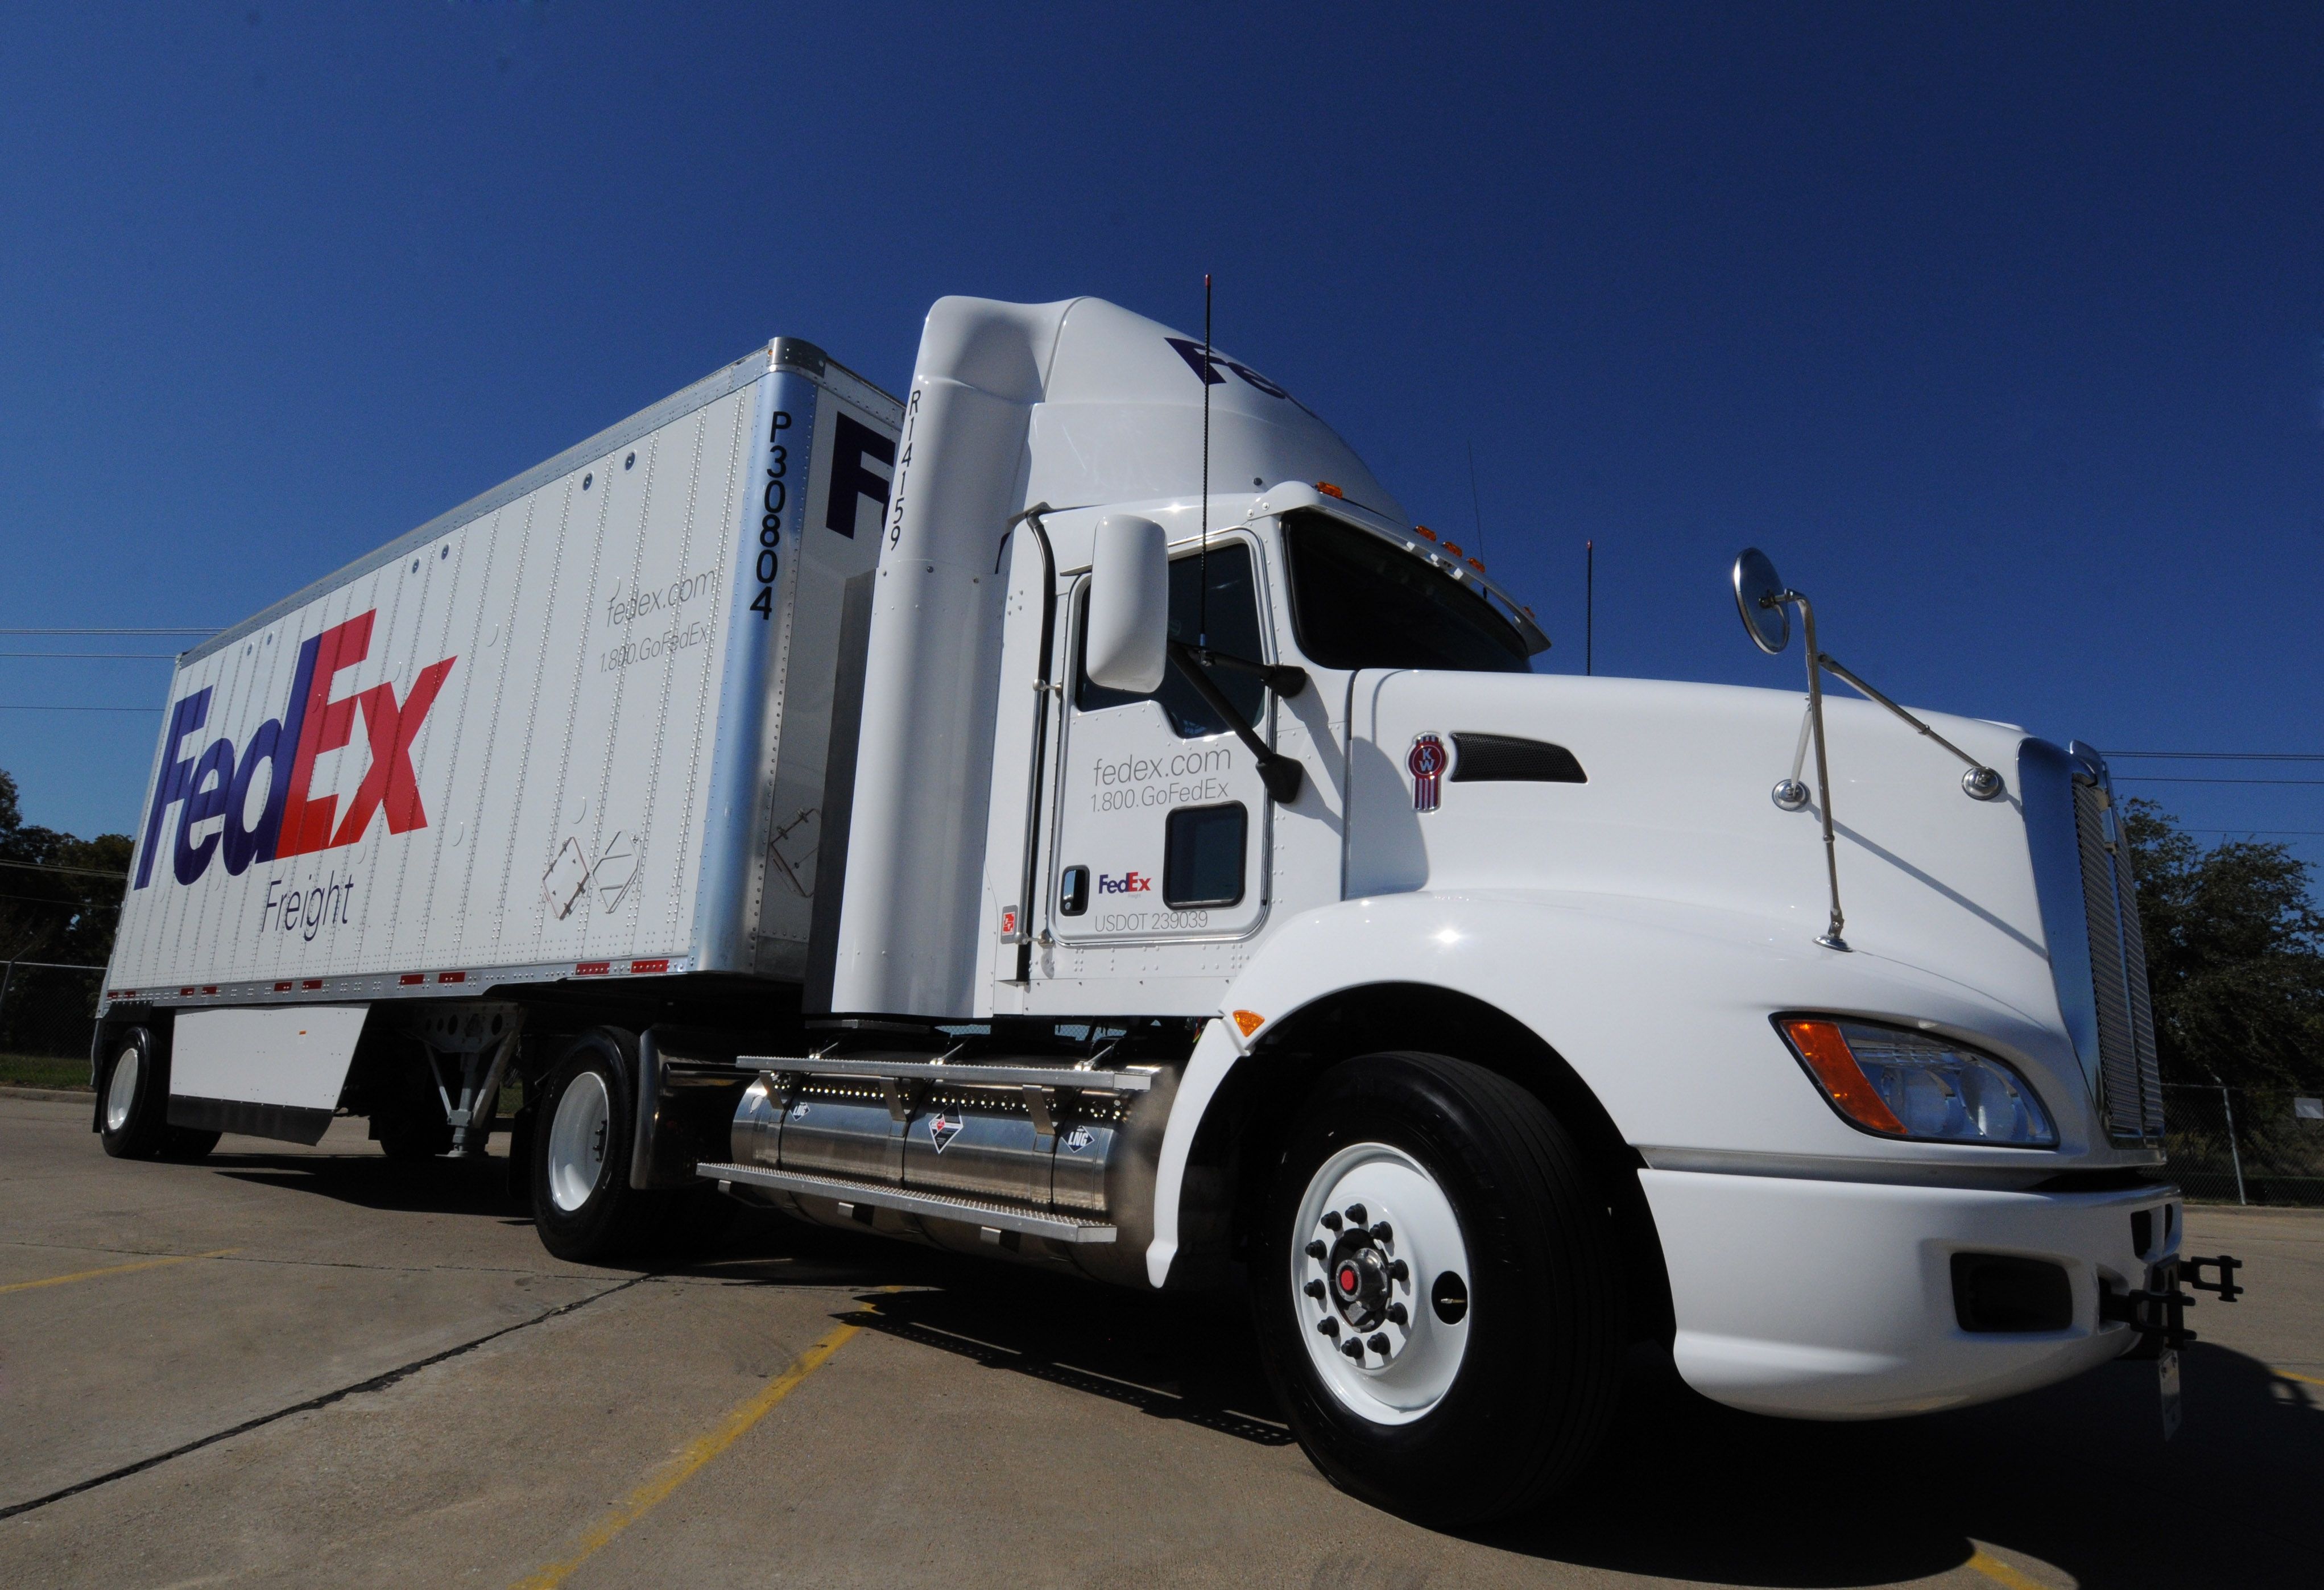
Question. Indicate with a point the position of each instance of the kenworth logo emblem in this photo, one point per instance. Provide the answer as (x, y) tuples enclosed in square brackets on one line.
[(217, 782)]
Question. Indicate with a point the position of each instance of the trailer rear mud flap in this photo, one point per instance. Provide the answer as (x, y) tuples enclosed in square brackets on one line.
[(264, 1073)]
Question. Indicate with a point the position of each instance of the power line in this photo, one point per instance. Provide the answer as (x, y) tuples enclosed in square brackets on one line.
[(2222, 755), (2310, 833), (44, 709), (95, 656), (2156, 778), (182, 629), (50, 867)]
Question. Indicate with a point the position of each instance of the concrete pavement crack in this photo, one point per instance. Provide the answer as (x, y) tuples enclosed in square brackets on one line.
[(378, 1382)]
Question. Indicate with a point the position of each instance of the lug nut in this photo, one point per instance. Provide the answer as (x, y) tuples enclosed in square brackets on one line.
[(1314, 1289), (1328, 1326), (1353, 1349), (1396, 1314), (1356, 1216), (1378, 1343), (1382, 1233), (1331, 1220), (1316, 1251), (1399, 1272)]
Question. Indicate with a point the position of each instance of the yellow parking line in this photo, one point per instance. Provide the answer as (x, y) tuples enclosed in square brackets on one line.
[(2294, 1375), (58, 1281), (2001, 1573), (642, 1501)]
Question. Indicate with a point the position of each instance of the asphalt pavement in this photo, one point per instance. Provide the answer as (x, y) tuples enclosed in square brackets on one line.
[(291, 1366)]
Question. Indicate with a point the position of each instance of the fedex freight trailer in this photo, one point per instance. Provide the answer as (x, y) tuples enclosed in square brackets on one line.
[(577, 730), (1076, 816)]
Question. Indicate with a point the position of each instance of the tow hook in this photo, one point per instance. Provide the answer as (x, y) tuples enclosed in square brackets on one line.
[(2226, 1264), (2158, 1311)]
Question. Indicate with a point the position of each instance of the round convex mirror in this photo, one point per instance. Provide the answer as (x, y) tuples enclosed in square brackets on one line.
[(1757, 587)]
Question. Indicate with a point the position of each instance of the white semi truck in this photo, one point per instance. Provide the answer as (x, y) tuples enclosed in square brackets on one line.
[(1075, 814)]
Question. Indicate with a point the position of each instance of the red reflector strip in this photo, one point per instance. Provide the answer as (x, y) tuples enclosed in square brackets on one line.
[(408, 978), (592, 968), (451, 976), (210, 988), (185, 993), (312, 983), (659, 965), (283, 988)]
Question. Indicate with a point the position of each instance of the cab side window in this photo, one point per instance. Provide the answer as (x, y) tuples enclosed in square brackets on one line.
[(1234, 628)]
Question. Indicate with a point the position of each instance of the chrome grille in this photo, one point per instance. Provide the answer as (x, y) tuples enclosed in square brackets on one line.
[(2131, 1078)]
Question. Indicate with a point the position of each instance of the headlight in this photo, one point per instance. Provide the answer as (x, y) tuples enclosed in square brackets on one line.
[(1903, 1083)]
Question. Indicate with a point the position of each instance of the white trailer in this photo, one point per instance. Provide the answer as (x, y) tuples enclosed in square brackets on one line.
[(1076, 816)]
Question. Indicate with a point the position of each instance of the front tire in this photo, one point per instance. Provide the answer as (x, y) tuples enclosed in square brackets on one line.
[(1438, 1290), (133, 1108), (583, 1204)]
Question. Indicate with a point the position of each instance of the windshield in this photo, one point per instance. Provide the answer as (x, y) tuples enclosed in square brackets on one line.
[(1358, 602)]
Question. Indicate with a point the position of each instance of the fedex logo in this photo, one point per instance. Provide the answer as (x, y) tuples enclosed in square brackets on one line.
[(1128, 883), (217, 782)]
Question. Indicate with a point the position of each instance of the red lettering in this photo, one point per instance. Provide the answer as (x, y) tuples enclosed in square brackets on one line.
[(307, 824), (388, 784)]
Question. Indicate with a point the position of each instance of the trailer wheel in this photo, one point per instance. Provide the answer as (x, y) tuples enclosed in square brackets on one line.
[(134, 1117), (583, 1204), (1438, 1290)]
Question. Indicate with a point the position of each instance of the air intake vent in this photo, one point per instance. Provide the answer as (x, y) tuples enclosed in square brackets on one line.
[(2131, 1077), (1502, 758)]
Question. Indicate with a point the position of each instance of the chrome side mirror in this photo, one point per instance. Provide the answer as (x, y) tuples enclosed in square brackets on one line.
[(1760, 593), (1129, 625)]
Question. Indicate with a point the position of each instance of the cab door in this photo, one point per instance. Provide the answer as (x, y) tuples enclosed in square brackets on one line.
[(1162, 825)]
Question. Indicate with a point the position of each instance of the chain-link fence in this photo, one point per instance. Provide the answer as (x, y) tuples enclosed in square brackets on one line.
[(47, 1015), (2242, 1145)]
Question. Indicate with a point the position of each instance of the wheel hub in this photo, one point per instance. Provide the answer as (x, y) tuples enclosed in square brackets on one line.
[(1363, 1297)]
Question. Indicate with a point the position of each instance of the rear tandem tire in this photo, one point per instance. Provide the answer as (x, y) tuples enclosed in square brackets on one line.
[(133, 1097), (583, 1204), (1481, 1282)]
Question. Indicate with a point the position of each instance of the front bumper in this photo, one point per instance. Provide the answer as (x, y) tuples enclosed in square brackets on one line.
[(1834, 1299)]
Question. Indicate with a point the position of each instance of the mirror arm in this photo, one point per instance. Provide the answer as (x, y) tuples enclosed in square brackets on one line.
[(1831, 936), (1285, 680), (1279, 773), (1982, 782)]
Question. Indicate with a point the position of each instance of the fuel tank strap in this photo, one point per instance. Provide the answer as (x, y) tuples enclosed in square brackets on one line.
[(966, 1073)]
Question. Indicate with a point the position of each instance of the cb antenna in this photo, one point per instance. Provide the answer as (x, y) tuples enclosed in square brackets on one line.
[(1476, 503), (1203, 558), (1588, 607)]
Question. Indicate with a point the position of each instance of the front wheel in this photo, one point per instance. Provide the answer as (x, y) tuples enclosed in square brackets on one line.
[(1437, 1291)]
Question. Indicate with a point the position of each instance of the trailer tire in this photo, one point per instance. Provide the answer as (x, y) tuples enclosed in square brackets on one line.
[(411, 1138), (133, 1111), (583, 1204), (1489, 1314), (186, 1144)]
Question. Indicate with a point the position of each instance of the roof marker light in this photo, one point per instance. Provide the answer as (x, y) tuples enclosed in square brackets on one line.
[(1424, 532), (1249, 1022), (1329, 490)]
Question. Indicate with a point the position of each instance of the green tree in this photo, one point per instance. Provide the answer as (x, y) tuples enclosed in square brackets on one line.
[(2235, 956), (51, 914)]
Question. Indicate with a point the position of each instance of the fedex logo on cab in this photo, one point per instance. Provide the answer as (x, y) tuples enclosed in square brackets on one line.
[(217, 782)]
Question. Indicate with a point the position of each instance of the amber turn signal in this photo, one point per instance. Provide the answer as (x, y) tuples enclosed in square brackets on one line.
[(1826, 1051)]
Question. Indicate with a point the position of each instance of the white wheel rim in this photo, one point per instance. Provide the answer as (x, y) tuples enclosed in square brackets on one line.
[(1392, 1307), (576, 1140), (121, 1096)]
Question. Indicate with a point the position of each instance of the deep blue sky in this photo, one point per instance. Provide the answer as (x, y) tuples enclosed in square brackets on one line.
[(2002, 328)]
